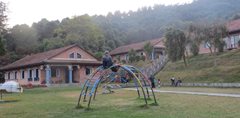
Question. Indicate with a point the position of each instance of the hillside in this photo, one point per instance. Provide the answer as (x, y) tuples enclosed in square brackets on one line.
[(206, 68)]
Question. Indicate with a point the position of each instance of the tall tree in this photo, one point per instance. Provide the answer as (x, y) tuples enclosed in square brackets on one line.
[(25, 39), (213, 36), (2, 49), (3, 18), (148, 48), (176, 45), (132, 55), (45, 29), (194, 38)]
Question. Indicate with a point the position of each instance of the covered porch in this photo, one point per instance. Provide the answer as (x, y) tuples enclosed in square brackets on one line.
[(66, 73)]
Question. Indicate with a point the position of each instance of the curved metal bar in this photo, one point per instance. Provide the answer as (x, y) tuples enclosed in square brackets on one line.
[(97, 88), (93, 91), (124, 68), (127, 69), (149, 84), (80, 95), (144, 82)]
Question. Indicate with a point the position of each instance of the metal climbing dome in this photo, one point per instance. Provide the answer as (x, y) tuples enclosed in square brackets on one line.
[(107, 76)]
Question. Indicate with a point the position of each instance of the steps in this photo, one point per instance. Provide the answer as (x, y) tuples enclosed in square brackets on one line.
[(157, 65)]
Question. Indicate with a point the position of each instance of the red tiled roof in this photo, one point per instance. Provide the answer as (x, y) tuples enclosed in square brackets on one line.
[(137, 46), (78, 61), (36, 59), (233, 25)]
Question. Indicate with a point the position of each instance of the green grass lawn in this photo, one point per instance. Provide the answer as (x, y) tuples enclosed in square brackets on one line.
[(203, 89), (61, 103), (205, 68)]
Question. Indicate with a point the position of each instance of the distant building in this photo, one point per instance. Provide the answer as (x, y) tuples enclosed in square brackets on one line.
[(233, 38), (121, 53), (70, 64)]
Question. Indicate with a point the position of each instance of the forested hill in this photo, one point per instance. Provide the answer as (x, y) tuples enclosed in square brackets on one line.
[(151, 22), (98, 33)]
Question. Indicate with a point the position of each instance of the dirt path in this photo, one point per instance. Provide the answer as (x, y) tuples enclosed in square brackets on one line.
[(196, 93)]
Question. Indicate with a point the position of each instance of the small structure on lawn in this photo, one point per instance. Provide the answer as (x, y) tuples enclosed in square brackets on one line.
[(116, 74), (10, 87)]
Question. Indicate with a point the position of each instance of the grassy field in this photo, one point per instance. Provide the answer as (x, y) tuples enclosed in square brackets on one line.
[(61, 102), (224, 67)]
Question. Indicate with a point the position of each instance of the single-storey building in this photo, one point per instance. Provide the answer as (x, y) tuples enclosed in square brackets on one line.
[(70, 64), (233, 38), (121, 53)]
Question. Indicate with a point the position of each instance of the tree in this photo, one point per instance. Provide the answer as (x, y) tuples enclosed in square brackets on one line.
[(2, 49), (176, 45), (82, 31), (25, 39), (45, 29), (194, 38), (148, 48), (213, 35), (3, 18), (132, 55), (194, 49)]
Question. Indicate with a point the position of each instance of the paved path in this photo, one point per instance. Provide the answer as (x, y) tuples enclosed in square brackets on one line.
[(196, 93)]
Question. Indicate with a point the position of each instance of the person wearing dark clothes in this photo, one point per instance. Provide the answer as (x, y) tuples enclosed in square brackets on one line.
[(152, 78), (107, 60), (178, 82), (173, 81)]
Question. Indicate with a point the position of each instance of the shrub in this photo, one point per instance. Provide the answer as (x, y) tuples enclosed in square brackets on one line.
[(194, 49), (143, 58), (137, 58), (124, 61)]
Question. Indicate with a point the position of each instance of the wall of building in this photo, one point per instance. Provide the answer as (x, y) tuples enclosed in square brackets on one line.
[(60, 74), (232, 41), (75, 50), (19, 78), (82, 73), (158, 53)]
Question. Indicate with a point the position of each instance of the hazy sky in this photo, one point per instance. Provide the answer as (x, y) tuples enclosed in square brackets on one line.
[(29, 11)]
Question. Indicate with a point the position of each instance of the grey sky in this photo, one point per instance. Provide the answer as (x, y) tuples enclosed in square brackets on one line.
[(29, 11)]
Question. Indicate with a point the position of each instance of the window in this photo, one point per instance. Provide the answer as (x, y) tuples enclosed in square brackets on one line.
[(141, 53), (207, 45), (71, 55), (9, 75), (36, 78), (37, 73), (53, 72), (30, 75), (15, 76), (58, 72), (79, 56), (88, 70), (126, 57), (23, 74)]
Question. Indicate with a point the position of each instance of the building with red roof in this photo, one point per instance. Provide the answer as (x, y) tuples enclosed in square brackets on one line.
[(121, 53), (70, 64), (233, 38)]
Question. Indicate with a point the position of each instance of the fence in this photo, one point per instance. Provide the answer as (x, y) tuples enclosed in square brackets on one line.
[(216, 85)]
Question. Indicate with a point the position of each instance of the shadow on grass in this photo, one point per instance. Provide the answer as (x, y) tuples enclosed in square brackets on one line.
[(84, 108), (145, 106), (8, 101), (149, 99), (79, 107), (154, 104)]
